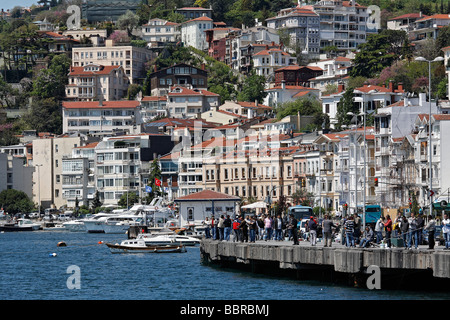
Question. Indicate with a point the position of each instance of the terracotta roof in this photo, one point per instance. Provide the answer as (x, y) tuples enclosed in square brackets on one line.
[(409, 15), (154, 98), (267, 52), (88, 146), (208, 195), (198, 19), (95, 104), (191, 92), (435, 16), (80, 71), (246, 104), (182, 123)]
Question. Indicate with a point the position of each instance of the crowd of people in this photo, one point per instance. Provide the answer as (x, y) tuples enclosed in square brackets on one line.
[(249, 228)]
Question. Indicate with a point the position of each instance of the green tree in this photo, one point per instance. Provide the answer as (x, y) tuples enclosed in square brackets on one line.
[(43, 116), (96, 203), (155, 173), (50, 83), (15, 201), (128, 199), (345, 105), (128, 21), (253, 89), (380, 50)]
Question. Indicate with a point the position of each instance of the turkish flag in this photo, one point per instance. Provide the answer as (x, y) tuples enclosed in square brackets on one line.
[(158, 182)]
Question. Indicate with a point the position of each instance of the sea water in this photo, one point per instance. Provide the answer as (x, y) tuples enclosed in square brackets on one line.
[(34, 267)]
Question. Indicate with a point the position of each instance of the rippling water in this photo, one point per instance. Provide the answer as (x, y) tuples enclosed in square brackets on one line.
[(29, 272)]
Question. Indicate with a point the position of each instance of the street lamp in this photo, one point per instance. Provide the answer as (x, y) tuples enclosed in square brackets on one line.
[(356, 161), (437, 59)]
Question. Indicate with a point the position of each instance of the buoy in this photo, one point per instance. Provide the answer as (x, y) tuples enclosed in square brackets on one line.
[(61, 244), (52, 254), (100, 242)]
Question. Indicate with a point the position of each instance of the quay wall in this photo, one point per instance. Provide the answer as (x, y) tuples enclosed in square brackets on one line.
[(341, 259)]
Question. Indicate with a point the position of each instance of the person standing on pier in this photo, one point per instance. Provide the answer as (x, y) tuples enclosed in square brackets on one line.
[(357, 227), (236, 230), (388, 230), (349, 227), (413, 232), (252, 228), (312, 227), (431, 228), (227, 228), (207, 225), (292, 226), (404, 228), (446, 231), (379, 226), (221, 227), (279, 226), (327, 225), (243, 227), (268, 227)]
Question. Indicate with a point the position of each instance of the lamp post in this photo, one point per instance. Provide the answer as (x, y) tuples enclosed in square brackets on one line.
[(437, 59), (356, 161)]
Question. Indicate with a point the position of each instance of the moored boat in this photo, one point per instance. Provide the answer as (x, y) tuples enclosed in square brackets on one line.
[(167, 239), (20, 225), (139, 246)]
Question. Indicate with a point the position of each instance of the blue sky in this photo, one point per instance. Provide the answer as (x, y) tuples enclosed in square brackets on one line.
[(9, 4)]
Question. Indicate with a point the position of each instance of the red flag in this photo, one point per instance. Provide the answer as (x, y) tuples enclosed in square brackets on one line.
[(158, 182)]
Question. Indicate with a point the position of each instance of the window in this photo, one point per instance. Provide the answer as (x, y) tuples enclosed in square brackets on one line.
[(190, 214)]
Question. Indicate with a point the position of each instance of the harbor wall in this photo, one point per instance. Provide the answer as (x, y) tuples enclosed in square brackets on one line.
[(340, 259)]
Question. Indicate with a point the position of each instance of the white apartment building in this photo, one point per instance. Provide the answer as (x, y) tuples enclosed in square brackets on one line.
[(428, 27), (78, 176), (153, 106), (302, 26), (48, 155), (368, 97), (334, 71), (404, 22), (447, 67), (16, 174), (132, 59), (101, 116), (159, 30), (96, 82), (342, 24), (391, 123), (193, 32), (241, 45), (188, 103), (267, 61)]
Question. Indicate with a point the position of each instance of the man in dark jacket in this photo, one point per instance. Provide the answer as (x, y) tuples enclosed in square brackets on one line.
[(292, 226), (327, 226)]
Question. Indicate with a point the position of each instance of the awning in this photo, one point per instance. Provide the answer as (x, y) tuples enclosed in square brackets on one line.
[(254, 205)]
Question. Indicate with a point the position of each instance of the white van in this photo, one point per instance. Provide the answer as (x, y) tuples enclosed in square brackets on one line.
[(65, 216)]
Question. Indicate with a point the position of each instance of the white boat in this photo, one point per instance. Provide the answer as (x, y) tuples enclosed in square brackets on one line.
[(54, 227), (75, 226), (21, 225), (95, 223), (139, 246), (167, 239)]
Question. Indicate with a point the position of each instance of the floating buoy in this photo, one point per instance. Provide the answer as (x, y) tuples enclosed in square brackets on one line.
[(100, 242), (61, 244), (52, 254)]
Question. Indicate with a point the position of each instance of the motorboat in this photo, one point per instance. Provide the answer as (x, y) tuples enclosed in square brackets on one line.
[(139, 246), (20, 225), (167, 239), (94, 224), (75, 226), (54, 227)]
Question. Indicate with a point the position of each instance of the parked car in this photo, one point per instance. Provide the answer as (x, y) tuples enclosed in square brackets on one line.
[(33, 215)]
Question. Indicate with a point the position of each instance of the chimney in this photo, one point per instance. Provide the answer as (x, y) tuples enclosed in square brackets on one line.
[(400, 86), (256, 102), (283, 84), (391, 86), (203, 66), (340, 87), (267, 47)]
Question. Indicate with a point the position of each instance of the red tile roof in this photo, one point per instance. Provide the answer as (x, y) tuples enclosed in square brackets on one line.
[(80, 71), (435, 16), (191, 92), (409, 15), (122, 104), (208, 195)]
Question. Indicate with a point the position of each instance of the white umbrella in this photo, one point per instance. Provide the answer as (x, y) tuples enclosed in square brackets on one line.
[(260, 204)]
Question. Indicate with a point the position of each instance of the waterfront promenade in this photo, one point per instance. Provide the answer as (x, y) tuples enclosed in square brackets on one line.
[(336, 259)]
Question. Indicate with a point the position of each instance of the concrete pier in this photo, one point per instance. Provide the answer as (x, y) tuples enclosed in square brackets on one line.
[(339, 259)]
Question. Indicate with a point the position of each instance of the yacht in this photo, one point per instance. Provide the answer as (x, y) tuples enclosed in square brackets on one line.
[(167, 239), (21, 225), (74, 226)]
